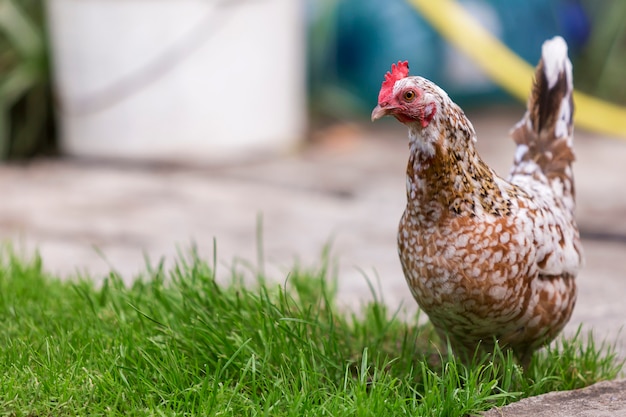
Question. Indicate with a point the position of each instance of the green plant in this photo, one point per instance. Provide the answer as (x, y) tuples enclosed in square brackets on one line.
[(599, 70), (183, 342), (26, 116)]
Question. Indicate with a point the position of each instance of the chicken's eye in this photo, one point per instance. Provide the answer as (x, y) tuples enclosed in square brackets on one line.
[(409, 95)]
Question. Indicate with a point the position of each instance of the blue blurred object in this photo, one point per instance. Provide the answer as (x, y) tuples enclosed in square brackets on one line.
[(369, 35)]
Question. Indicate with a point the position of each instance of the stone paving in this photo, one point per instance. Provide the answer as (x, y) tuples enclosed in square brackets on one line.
[(347, 189), (604, 399)]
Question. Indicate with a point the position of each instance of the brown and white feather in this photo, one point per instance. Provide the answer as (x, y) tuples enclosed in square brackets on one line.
[(483, 256)]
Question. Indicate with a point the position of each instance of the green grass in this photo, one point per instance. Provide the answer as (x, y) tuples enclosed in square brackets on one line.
[(178, 343)]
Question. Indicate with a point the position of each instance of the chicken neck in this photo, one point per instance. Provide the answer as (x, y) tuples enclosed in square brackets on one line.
[(446, 176)]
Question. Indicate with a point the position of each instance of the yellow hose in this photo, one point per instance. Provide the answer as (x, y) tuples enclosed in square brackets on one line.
[(507, 69)]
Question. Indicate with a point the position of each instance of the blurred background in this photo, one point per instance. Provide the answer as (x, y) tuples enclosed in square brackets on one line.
[(163, 79), (133, 129)]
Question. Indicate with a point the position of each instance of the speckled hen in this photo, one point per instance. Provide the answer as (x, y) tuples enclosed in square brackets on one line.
[(488, 258)]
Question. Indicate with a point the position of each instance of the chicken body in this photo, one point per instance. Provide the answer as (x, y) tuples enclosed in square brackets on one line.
[(488, 258)]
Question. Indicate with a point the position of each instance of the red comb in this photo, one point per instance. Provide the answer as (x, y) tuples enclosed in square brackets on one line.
[(398, 72)]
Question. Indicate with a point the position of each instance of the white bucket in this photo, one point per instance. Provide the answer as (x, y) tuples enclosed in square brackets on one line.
[(178, 79)]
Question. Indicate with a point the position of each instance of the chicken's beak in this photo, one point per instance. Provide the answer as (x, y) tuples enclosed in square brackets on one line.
[(379, 112)]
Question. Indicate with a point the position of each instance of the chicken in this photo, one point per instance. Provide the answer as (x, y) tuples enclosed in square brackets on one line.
[(487, 258)]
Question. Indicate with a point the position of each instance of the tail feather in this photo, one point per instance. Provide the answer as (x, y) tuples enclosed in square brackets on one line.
[(544, 136)]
